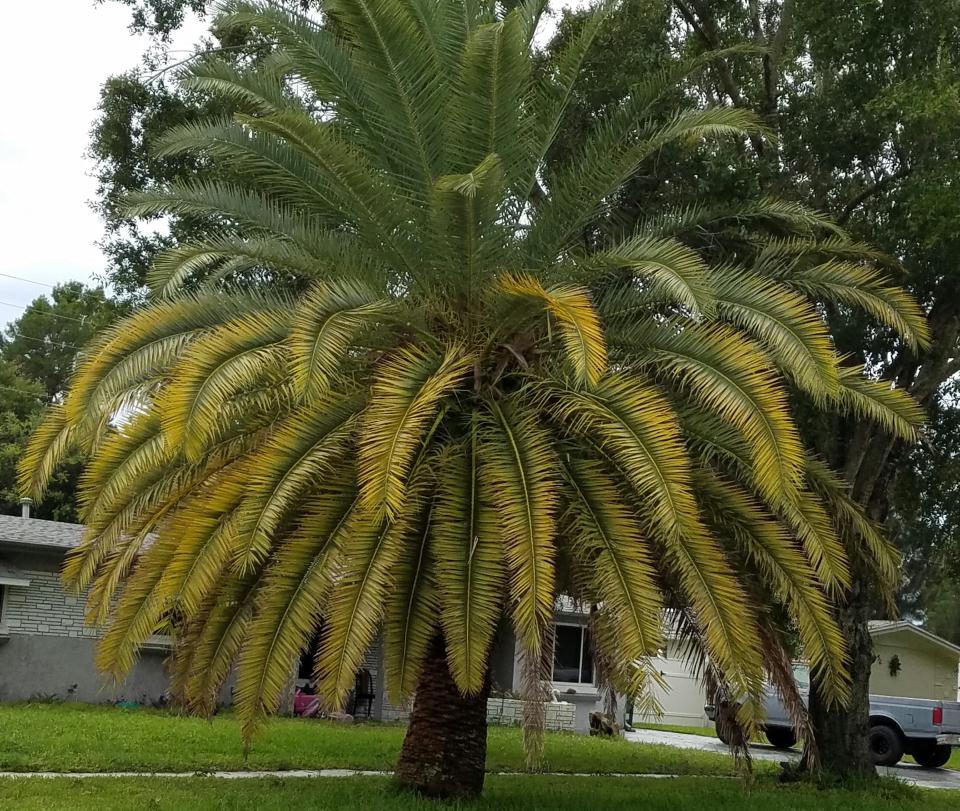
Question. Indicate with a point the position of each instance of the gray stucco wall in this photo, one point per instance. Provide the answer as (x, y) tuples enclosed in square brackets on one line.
[(39, 666), (47, 650)]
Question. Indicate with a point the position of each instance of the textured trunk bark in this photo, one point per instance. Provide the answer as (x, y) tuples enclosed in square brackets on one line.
[(842, 733), (445, 750)]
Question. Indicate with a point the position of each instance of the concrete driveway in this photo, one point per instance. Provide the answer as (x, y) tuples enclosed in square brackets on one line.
[(908, 772)]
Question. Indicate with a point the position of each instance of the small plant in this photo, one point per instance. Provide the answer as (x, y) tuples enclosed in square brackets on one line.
[(894, 665)]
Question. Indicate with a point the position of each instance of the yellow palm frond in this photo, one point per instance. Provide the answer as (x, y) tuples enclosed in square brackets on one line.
[(405, 397), (48, 445), (324, 324), (468, 554), (770, 549), (307, 448), (580, 326), (413, 612), (517, 463), (607, 538), (214, 368), (290, 603)]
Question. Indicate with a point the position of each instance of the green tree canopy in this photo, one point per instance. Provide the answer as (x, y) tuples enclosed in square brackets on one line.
[(395, 387)]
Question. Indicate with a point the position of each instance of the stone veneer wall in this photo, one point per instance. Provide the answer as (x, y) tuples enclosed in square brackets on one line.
[(43, 608), (561, 716)]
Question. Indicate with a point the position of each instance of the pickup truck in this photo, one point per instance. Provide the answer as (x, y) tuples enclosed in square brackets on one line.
[(920, 727)]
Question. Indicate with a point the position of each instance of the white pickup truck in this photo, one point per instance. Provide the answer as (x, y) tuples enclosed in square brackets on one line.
[(920, 727)]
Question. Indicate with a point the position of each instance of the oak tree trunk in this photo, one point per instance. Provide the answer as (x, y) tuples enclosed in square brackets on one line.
[(445, 750), (842, 733)]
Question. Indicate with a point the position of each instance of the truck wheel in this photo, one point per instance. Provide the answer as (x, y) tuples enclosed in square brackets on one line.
[(885, 745), (723, 738), (931, 755), (781, 737)]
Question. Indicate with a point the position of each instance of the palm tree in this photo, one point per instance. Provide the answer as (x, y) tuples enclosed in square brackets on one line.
[(408, 384)]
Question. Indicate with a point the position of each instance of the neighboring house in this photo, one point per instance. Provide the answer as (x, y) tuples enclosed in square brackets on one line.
[(908, 661), (45, 648)]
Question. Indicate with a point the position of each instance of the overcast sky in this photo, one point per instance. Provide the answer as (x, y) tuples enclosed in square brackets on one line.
[(53, 58), (49, 99)]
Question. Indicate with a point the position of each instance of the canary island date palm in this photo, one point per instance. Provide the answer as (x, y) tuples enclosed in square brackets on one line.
[(408, 387)]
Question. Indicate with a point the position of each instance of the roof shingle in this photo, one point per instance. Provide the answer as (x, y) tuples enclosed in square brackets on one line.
[(40, 534)]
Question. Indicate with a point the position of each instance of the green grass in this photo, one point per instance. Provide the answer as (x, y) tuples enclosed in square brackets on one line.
[(504, 793), (76, 738)]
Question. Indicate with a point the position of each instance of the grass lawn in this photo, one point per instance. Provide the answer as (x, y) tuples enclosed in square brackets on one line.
[(75, 737), (505, 793)]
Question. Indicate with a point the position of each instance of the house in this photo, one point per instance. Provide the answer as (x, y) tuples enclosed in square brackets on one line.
[(45, 649), (908, 661)]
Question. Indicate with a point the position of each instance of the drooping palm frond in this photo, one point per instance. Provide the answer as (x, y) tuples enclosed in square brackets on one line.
[(417, 388)]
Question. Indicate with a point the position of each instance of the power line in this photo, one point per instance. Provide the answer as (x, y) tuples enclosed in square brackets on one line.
[(29, 281), (45, 341), (52, 315), (28, 393)]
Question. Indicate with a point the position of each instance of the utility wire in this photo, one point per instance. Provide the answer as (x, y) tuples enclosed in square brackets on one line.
[(29, 281), (28, 393), (52, 315), (45, 341)]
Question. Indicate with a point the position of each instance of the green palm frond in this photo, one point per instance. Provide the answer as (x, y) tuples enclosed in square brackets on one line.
[(859, 285), (879, 402), (667, 266)]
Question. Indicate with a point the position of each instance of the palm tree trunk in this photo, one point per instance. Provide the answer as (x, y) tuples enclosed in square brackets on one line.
[(445, 750)]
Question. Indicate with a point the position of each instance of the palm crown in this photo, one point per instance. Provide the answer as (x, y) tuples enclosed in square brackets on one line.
[(408, 382)]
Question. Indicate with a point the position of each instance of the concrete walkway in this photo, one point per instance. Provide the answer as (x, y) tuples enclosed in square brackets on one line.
[(908, 772), (301, 773)]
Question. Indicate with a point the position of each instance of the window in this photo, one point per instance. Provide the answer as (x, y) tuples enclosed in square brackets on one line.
[(3, 608), (572, 656)]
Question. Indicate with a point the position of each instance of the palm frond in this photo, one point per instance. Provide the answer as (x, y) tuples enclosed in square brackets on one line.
[(407, 392), (518, 464), (324, 324), (664, 266), (581, 330), (289, 607), (880, 401), (468, 551)]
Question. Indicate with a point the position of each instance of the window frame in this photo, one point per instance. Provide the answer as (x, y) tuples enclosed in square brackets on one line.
[(584, 629), (4, 591)]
